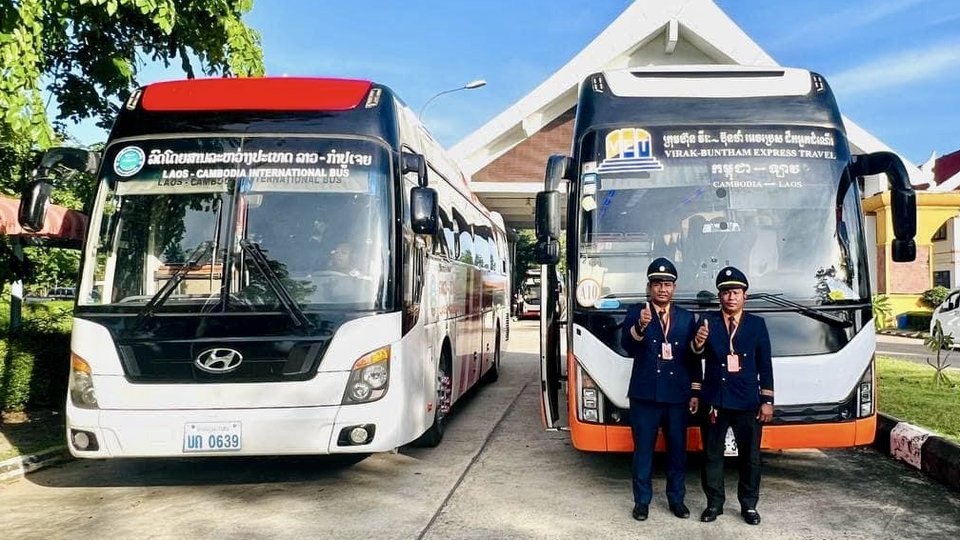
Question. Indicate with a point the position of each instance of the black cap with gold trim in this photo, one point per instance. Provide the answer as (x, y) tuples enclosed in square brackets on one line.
[(732, 278), (661, 269)]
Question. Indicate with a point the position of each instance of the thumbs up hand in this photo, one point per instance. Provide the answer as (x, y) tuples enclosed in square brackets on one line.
[(702, 334), (645, 315)]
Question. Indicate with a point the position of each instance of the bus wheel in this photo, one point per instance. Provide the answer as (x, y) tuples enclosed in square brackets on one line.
[(493, 373), (441, 409)]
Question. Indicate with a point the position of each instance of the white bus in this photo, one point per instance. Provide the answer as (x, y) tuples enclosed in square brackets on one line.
[(714, 166), (277, 266)]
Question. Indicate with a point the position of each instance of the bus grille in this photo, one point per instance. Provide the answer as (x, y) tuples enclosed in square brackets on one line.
[(263, 360)]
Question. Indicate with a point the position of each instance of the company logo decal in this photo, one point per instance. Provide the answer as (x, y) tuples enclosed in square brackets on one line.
[(629, 150), (129, 161), (218, 360)]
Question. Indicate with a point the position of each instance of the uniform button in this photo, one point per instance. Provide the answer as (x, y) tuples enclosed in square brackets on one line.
[(658, 371), (671, 373), (723, 379)]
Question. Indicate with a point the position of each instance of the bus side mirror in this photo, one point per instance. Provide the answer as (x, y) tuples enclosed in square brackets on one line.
[(424, 210), (548, 215), (56, 163), (903, 200), (547, 249), (76, 159), (558, 168), (414, 163), (34, 201)]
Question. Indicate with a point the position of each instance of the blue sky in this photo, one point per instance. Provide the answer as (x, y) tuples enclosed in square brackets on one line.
[(893, 64)]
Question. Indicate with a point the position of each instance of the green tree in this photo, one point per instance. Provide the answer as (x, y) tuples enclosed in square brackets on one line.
[(881, 310), (523, 256), (85, 55), (935, 296)]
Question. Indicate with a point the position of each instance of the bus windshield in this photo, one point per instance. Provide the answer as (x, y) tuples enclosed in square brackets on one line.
[(761, 198), (238, 222)]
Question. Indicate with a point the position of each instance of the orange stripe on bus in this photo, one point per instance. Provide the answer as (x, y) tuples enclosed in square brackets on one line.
[(606, 438)]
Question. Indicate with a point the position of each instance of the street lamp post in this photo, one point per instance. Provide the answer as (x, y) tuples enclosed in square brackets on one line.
[(469, 86)]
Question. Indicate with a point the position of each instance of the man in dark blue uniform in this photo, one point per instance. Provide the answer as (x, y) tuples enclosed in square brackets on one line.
[(738, 392), (666, 376)]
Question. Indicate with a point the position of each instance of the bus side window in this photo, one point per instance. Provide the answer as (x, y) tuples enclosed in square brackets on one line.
[(466, 245), (463, 238), (481, 249), (447, 235)]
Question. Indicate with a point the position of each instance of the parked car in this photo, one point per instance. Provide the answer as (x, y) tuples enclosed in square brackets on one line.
[(63, 293), (949, 316)]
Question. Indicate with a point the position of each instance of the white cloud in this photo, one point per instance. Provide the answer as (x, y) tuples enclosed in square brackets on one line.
[(841, 23), (898, 69)]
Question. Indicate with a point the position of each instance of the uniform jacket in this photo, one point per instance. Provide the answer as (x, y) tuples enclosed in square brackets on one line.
[(656, 379), (740, 390)]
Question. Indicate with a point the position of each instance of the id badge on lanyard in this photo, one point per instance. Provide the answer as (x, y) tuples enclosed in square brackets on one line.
[(733, 359), (666, 349)]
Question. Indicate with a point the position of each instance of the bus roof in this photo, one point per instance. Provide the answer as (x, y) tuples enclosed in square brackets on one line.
[(255, 94), (709, 81), (697, 95)]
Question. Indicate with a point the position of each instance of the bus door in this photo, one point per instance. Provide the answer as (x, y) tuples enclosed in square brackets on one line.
[(549, 348), (547, 253)]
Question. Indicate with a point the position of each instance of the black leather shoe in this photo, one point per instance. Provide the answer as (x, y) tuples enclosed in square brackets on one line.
[(680, 510), (640, 512), (751, 516), (710, 514)]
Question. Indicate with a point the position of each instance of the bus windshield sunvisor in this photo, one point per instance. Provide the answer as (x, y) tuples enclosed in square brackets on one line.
[(318, 208)]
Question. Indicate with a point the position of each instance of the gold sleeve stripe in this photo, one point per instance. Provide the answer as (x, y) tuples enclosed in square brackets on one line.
[(765, 392)]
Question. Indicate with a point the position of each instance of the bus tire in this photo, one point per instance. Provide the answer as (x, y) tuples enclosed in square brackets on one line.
[(493, 374), (432, 436)]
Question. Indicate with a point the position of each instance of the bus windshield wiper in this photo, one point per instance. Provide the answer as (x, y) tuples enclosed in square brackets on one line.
[(816, 314), (262, 264), (161, 296)]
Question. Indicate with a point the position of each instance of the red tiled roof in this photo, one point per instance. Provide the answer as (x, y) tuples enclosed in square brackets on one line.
[(946, 166), (60, 223)]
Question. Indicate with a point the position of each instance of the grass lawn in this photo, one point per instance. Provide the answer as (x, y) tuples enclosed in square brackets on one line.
[(907, 391), (59, 311)]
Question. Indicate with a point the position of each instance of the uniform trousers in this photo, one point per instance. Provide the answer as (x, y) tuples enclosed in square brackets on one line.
[(747, 431), (645, 418)]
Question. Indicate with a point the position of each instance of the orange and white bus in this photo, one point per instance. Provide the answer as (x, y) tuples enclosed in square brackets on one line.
[(713, 166)]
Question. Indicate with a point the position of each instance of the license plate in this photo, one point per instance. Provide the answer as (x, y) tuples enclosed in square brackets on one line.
[(211, 436), (730, 444)]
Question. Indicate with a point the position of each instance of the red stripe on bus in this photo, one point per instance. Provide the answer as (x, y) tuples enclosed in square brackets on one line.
[(256, 94)]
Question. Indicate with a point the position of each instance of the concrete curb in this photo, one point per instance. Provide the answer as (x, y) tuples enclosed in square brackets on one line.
[(936, 456), (919, 334), (18, 466)]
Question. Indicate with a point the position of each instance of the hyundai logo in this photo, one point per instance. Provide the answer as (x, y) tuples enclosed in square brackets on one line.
[(218, 360)]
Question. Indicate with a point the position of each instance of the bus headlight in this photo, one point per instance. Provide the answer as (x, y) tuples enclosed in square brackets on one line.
[(865, 392), (368, 377), (589, 399), (82, 392)]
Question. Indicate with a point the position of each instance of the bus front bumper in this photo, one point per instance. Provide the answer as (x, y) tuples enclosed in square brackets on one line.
[(611, 438), (247, 432)]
